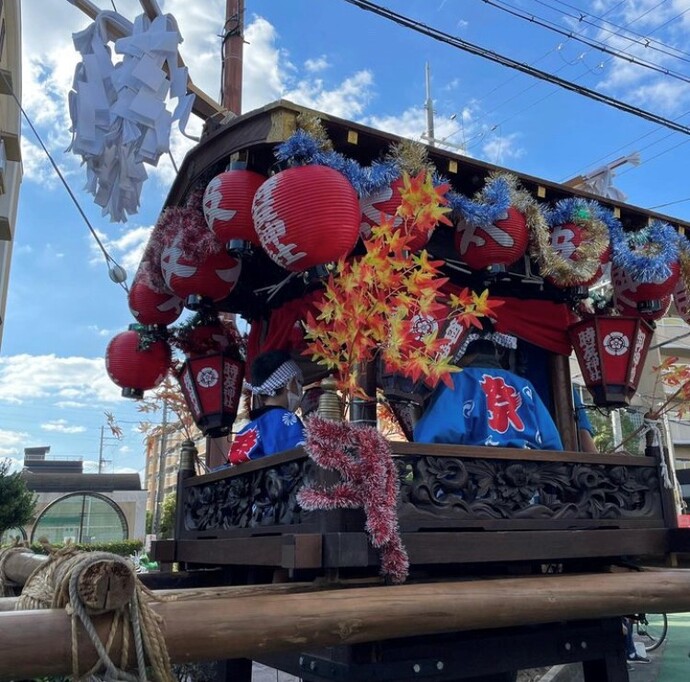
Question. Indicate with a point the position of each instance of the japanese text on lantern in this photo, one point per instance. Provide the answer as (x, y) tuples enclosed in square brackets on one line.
[(469, 236), (230, 385), (451, 336), (191, 394), (273, 229), (587, 342), (637, 354)]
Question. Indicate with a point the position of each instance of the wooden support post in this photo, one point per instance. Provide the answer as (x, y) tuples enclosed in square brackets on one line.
[(363, 411), (562, 392)]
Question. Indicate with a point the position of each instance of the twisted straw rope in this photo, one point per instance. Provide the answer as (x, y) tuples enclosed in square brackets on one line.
[(55, 584)]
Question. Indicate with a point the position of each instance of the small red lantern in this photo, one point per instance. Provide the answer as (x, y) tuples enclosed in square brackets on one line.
[(212, 386), (227, 205), (611, 352), (152, 307), (499, 244), (306, 216), (212, 276), (137, 363), (630, 292)]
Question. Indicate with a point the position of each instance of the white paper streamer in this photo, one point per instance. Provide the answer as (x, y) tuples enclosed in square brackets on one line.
[(120, 120)]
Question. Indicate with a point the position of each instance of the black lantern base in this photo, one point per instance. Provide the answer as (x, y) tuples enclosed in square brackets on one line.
[(611, 395), (133, 393), (239, 248)]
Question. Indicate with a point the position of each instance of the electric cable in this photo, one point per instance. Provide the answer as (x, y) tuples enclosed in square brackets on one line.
[(639, 38), (594, 44), (498, 58)]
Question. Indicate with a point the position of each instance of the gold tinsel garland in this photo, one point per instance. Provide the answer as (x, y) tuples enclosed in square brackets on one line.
[(312, 125), (410, 157), (584, 263)]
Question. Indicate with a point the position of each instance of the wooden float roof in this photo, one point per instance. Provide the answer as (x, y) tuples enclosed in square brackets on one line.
[(255, 134)]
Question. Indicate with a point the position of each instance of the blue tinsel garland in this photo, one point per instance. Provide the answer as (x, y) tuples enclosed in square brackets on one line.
[(645, 268), (493, 203)]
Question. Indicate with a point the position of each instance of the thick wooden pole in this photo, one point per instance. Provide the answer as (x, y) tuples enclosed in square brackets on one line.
[(252, 626), (233, 44)]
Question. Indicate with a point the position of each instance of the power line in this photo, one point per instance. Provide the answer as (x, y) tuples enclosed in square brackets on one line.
[(498, 58), (639, 39), (594, 44)]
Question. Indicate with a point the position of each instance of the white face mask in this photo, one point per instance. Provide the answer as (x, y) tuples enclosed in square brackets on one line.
[(294, 398)]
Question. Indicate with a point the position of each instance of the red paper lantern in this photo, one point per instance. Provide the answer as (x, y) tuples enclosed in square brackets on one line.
[(648, 310), (629, 291), (152, 307), (213, 276), (228, 205), (383, 205), (611, 352), (136, 366), (306, 216), (499, 244), (681, 297), (604, 263), (212, 386)]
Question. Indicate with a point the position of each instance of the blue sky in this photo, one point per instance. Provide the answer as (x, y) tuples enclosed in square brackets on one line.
[(62, 308)]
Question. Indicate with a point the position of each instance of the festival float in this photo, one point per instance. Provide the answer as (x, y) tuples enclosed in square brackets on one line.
[(374, 261)]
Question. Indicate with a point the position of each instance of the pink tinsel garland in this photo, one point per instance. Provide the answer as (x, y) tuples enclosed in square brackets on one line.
[(363, 458)]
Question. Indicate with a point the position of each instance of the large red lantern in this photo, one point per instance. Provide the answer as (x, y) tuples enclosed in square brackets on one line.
[(227, 205), (499, 244), (137, 363), (211, 276), (611, 352), (153, 307), (212, 386), (306, 216)]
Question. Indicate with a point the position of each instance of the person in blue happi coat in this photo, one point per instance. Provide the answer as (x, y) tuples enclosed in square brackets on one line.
[(276, 394), (488, 405)]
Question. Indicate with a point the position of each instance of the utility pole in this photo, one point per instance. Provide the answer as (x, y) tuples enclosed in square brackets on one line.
[(233, 43), (161, 472), (100, 454), (429, 106)]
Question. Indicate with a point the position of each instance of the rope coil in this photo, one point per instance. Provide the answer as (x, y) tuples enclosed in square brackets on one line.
[(68, 580)]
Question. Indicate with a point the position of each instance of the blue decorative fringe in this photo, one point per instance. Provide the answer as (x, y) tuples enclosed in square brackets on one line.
[(645, 267), (493, 206)]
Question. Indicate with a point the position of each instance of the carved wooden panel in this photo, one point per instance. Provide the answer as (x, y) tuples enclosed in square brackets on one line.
[(449, 487), (261, 497)]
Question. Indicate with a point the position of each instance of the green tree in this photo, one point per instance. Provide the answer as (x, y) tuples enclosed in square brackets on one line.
[(17, 504), (168, 516)]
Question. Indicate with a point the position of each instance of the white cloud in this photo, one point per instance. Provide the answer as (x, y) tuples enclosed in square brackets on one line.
[(12, 442), (126, 249), (26, 377), (70, 404), (99, 331), (501, 148), (319, 64), (346, 100), (14, 464), (61, 426)]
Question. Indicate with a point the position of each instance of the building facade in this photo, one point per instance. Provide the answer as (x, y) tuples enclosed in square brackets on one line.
[(10, 133)]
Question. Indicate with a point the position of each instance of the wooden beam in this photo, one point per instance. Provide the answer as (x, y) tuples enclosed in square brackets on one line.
[(250, 627), (204, 105)]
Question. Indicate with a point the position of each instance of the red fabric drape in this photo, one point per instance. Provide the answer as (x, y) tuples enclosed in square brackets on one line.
[(543, 323)]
